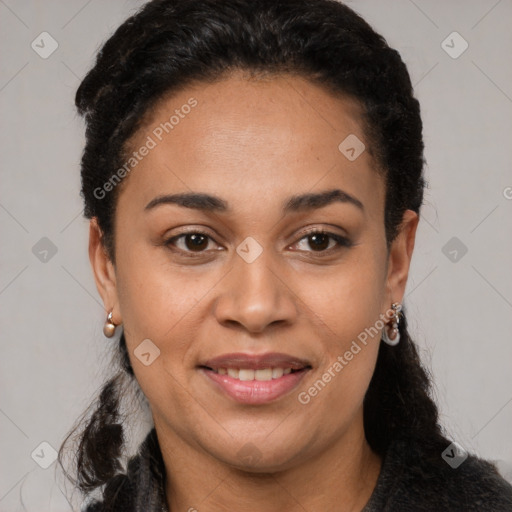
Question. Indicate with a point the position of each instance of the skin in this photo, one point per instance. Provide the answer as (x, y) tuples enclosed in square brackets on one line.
[(254, 143)]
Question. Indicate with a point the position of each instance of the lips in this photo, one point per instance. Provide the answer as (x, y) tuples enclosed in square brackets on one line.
[(255, 379)]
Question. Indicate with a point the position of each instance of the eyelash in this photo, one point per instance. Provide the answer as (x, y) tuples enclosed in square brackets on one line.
[(342, 242)]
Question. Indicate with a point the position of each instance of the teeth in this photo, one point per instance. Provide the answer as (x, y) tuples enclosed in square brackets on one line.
[(247, 374), (265, 374), (277, 372)]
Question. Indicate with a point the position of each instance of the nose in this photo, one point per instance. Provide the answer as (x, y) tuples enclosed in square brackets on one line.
[(255, 296)]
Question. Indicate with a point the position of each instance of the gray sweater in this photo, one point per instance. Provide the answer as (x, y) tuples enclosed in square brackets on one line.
[(408, 482)]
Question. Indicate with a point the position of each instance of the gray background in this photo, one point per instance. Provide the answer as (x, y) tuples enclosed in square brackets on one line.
[(53, 351)]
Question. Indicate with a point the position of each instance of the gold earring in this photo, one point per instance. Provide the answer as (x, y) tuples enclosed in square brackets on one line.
[(109, 328)]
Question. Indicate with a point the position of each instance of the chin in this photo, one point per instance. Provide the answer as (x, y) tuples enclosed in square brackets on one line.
[(262, 458)]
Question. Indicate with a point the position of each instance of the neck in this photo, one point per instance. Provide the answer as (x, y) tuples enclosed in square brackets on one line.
[(340, 478)]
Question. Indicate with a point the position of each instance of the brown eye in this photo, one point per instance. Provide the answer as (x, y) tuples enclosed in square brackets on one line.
[(190, 242), (319, 241), (196, 242), (322, 242)]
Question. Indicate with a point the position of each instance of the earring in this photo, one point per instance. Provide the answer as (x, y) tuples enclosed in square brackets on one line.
[(110, 327), (395, 320)]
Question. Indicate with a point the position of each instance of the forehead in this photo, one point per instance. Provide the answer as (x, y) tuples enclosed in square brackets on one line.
[(241, 138)]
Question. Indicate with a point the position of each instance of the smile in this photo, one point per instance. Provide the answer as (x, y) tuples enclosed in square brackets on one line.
[(247, 374), (254, 387)]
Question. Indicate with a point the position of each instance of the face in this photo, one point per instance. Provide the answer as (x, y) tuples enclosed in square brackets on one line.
[(277, 269)]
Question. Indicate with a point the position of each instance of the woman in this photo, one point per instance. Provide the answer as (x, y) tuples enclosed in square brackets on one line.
[(253, 176)]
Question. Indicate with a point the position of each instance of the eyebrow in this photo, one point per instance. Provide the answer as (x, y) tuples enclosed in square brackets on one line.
[(209, 203)]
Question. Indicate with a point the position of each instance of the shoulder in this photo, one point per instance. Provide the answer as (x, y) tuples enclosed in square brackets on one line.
[(474, 485), (412, 480)]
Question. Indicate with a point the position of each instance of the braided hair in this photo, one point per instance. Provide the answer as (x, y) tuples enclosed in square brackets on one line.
[(170, 44)]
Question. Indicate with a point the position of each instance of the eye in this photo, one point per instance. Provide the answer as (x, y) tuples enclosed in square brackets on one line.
[(191, 242), (198, 242), (324, 241)]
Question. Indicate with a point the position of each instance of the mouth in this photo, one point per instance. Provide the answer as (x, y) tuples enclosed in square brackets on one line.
[(255, 379)]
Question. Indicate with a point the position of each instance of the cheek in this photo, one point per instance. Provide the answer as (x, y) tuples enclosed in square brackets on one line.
[(164, 304), (348, 299), (158, 304), (346, 308), (152, 294), (349, 356)]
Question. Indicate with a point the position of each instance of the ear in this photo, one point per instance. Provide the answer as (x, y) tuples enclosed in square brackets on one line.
[(400, 254), (104, 271)]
